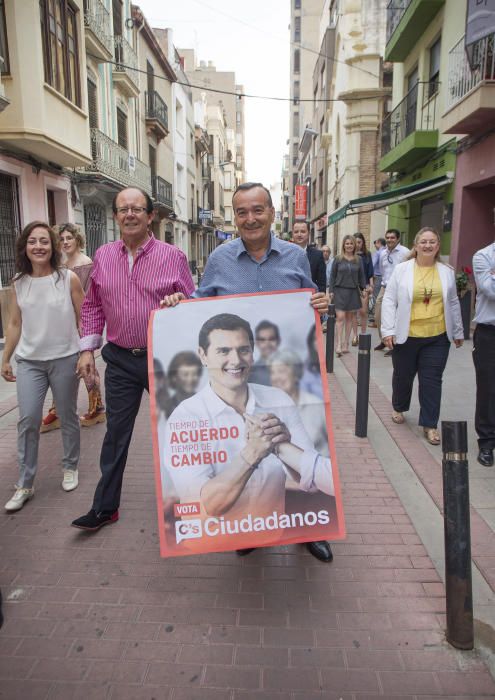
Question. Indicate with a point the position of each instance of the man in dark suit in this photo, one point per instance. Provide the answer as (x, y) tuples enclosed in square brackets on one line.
[(300, 236)]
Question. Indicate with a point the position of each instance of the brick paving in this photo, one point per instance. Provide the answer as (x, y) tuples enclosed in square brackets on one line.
[(102, 616), (429, 471)]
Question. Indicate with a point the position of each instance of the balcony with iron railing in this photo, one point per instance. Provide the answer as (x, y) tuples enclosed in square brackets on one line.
[(410, 131), (156, 114), (406, 22), (115, 163), (470, 99), (162, 192), (98, 30), (125, 69)]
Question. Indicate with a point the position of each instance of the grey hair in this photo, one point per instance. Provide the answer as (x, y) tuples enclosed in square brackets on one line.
[(289, 358)]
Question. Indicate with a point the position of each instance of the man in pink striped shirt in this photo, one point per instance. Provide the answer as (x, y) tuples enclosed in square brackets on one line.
[(129, 279)]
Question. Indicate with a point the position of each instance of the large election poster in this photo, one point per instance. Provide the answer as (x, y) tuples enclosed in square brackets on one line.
[(241, 420)]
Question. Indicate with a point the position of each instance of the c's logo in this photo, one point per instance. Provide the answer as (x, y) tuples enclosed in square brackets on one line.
[(188, 529)]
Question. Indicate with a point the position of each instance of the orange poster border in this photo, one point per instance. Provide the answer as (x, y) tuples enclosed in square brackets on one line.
[(342, 534)]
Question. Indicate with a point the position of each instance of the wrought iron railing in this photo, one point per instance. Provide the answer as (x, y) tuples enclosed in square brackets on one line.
[(417, 111), (156, 108), (125, 59), (97, 19), (396, 10), (114, 161), (162, 191), (463, 78)]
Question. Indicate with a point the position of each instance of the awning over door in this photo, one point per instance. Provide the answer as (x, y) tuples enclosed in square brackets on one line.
[(383, 199)]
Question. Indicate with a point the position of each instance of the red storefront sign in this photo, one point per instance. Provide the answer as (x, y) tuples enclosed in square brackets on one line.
[(301, 208)]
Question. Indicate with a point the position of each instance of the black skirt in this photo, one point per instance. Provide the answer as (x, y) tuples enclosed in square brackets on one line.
[(347, 298)]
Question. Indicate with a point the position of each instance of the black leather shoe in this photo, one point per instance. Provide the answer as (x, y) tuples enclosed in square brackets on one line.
[(388, 353), (380, 346), (244, 552), (92, 521), (321, 550), (485, 457)]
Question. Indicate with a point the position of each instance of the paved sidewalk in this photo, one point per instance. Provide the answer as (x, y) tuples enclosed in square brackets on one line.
[(103, 616), (458, 403)]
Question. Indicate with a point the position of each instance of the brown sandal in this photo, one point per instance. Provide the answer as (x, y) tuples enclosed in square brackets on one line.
[(432, 436), (398, 417)]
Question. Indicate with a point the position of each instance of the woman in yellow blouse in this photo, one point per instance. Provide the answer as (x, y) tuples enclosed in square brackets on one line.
[(421, 316)]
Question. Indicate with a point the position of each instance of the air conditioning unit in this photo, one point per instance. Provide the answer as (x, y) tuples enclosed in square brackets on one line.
[(132, 162)]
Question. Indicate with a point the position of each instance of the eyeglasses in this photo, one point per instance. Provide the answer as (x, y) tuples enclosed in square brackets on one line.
[(133, 210), (267, 340), (390, 260)]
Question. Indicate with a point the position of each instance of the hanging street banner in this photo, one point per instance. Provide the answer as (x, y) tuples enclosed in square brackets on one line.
[(480, 24), (480, 20), (241, 421), (301, 204)]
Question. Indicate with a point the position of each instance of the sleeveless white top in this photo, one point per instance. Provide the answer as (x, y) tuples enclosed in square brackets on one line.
[(49, 329)]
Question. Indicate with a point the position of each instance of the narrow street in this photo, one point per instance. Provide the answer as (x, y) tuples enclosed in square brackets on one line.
[(103, 616)]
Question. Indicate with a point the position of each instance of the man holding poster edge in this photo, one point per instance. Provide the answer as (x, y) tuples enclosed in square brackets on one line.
[(258, 262)]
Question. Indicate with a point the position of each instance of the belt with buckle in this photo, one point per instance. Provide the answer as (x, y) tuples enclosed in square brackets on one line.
[(138, 352)]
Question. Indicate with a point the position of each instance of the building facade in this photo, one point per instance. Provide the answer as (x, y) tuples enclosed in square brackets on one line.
[(470, 114), (225, 116), (418, 155), (305, 18), (156, 140), (44, 129), (359, 87)]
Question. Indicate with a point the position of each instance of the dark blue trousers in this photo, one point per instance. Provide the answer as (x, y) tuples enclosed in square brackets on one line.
[(427, 358), (484, 365), (126, 377)]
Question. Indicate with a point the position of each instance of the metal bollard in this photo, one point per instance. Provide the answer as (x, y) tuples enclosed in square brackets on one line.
[(363, 385), (329, 348), (458, 584)]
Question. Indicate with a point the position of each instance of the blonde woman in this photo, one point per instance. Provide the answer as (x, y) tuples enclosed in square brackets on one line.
[(421, 316), (347, 284), (73, 243)]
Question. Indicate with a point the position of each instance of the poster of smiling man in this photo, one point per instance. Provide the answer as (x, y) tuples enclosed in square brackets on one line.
[(241, 419)]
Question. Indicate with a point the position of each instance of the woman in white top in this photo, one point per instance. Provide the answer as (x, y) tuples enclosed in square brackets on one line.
[(46, 301), (421, 317), (73, 243)]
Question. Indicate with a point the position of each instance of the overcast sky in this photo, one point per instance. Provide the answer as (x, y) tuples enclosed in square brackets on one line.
[(252, 39)]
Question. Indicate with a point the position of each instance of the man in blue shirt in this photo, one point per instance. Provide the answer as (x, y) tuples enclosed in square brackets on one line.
[(484, 352), (258, 262)]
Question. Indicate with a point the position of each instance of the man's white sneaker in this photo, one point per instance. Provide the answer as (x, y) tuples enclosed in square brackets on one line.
[(71, 479), (19, 499)]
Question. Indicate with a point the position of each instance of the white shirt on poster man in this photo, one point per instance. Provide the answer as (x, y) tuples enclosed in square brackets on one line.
[(265, 490)]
